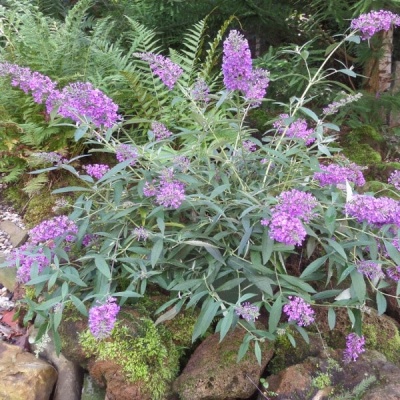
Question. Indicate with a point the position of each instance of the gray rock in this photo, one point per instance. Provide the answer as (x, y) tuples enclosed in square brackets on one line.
[(23, 376), (17, 235)]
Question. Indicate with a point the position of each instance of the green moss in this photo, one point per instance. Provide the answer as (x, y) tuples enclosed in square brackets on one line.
[(146, 355), (322, 380), (362, 154), (39, 209), (384, 340)]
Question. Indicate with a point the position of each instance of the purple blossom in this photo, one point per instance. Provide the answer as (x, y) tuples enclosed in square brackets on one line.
[(354, 347), (82, 99), (141, 233), (150, 189), (373, 22), (126, 152), (160, 131), (238, 70), (89, 239), (393, 273), (249, 146), (200, 91), (236, 62), (334, 107), (370, 269), (334, 174), (48, 157), (96, 170), (247, 311), (182, 163), (52, 229), (297, 204), (375, 211), (25, 257), (286, 229), (394, 179), (40, 86), (171, 193), (102, 318), (162, 67), (296, 130), (299, 311)]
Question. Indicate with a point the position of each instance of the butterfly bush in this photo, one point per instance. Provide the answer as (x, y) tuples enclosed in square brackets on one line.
[(163, 67), (375, 21), (296, 130), (394, 179), (334, 174), (212, 215), (238, 70), (103, 317), (354, 347), (74, 101), (299, 311)]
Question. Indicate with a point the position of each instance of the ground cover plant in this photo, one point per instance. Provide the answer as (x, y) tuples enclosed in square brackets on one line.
[(236, 224)]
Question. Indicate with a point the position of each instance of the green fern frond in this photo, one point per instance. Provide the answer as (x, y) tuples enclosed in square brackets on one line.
[(36, 184)]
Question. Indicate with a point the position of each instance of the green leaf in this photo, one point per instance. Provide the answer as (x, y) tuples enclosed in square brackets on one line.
[(243, 348), (79, 305), (102, 265), (226, 323), (314, 266), (293, 280), (257, 352), (309, 113), (348, 72), (267, 247), (337, 248), (381, 303), (207, 314), (275, 315), (358, 285), (331, 318), (354, 39), (156, 251)]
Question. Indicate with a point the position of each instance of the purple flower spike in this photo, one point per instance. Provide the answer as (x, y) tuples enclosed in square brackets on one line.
[(373, 22), (299, 311), (162, 67), (97, 170), (247, 311), (354, 347), (102, 318)]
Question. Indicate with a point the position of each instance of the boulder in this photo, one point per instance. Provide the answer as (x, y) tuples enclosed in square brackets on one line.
[(213, 372), (23, 376), (371, 376)]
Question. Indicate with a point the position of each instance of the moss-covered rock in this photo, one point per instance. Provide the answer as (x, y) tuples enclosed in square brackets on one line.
[(138, 352)]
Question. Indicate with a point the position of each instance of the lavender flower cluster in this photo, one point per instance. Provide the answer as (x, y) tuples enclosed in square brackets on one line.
[(200, 91), (334, 107), (74, 101), (96, 170), (299, 311), (375, 211), (296, 130), (102, 318), (31, 253), (163, 67), (52, 229), (168, 191), (354, 347), (370, 269), (238, 71), (160, 131), (394, 179), (248, 311), (373, 22), (125, 152), (293, 209), (334, 174)]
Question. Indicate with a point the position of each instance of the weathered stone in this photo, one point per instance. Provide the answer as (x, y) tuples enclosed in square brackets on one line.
[(213, 372), (321, 376), (23, 376), (8, 276), (17, 235), (70, 375)]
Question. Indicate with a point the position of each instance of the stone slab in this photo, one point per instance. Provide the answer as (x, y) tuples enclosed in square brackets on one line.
[(18, 236)]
